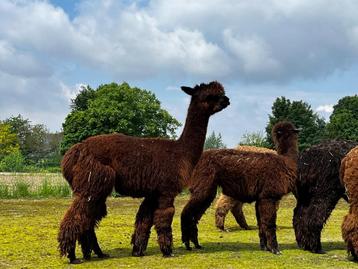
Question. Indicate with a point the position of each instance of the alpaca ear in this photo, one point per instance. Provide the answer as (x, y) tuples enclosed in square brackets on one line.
[(188, 90)]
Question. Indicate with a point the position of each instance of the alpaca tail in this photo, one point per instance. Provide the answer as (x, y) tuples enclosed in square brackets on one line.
[(69, 160), (350, 233)]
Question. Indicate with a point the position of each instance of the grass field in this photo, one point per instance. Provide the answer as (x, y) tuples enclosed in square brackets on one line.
[(29, 229)]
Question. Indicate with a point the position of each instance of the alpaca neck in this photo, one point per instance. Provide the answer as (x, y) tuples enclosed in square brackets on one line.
[(288, 149), (193, 136)]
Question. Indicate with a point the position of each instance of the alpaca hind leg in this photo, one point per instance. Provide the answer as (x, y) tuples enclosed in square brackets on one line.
[(143, 224), (98, 211), (192, 213), (85, 242), (163, 217), (268, 211), (74, 223), (239, 215)]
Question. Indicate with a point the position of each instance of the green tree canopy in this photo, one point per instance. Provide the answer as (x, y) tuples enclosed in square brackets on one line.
[(302, 116), (31, 138), (9, 142), (343, 122), (214, 141), (116, 108), (256, 139)]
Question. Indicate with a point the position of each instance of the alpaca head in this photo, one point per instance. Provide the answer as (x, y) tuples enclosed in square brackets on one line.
[(209, 98), (285, 136)]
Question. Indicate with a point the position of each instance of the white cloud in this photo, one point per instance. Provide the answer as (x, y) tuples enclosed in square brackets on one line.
[(173, 42), (71, 92), (325, 108), (251, 40)]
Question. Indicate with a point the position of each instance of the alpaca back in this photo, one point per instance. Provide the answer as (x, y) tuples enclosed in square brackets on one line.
[(244, 175)]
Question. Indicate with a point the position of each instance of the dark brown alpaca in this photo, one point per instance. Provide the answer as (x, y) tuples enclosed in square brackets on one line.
[(247, 177), (153, 168), (349, 177), (225, 203)]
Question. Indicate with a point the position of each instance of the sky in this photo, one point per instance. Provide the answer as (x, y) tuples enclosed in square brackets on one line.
[(259, 50)]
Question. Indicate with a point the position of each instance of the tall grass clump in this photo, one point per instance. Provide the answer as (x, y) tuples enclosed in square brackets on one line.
[(44, 189)]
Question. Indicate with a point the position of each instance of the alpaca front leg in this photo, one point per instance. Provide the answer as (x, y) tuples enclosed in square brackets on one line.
[(262, 236), (192, 213), (163, 217), (143, 224), (308, 221), (268, 211), (95, 246)]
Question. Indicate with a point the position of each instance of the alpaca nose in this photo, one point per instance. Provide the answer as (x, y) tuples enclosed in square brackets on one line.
[(225, 101)]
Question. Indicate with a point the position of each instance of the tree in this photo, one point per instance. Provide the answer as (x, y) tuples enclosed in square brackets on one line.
[(343, 122), (214, 142), (116, 108), (302, 116), (82, 99), (31, 137), (256, 139), (8, 141)]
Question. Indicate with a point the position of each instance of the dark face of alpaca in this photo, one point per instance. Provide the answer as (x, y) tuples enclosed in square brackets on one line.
[(209, 98), (284, 131)]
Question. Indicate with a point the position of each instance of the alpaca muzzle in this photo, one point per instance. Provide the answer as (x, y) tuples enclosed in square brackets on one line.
[(224, 102)]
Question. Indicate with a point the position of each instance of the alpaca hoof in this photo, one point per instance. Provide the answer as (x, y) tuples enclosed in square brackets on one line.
[(276, 252), (246, 228), (168, 255), (187, 246), (76, 261), (87, 257), (103, 256), (137, 253), (167, 251), (319, 251), (221, 228), (197, 246), (354, 255)]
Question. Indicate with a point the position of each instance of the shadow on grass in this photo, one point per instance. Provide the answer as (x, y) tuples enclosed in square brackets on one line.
[(213, 247), (252, 228)]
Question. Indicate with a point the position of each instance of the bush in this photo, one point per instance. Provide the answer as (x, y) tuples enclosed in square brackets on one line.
[(13, 162)]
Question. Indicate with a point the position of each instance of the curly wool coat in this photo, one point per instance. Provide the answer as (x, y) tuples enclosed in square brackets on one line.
[(318, 189), (349, 177), (248, 177), (154, 168), (225, 203)]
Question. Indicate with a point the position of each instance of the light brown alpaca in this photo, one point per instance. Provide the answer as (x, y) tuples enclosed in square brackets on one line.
[(246, 176), (225, 203), (154, 168), (349, 177)]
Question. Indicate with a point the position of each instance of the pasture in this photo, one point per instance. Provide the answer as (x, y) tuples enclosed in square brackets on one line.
[(29, 229)]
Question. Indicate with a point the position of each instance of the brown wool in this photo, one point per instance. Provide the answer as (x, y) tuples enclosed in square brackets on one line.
[(154, 168), (247, 177), (349, 178)]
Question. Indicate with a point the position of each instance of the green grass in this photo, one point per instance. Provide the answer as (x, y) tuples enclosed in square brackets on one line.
[(29, 229), (44, 189)]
